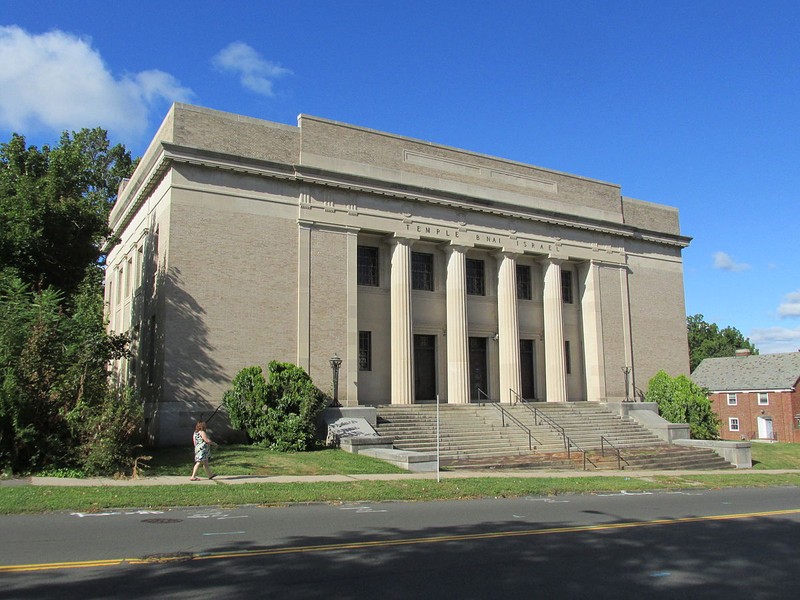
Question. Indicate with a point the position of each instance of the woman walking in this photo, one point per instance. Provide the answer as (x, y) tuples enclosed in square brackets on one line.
[(202, 450)]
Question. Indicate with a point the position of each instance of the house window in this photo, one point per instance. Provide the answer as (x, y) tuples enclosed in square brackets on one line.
[(368, 266), (733, 424), (567, 359), (475, 285), (566, 287), (763, 398), (524, 291), (422, 271), (731, 399), (365, 351)]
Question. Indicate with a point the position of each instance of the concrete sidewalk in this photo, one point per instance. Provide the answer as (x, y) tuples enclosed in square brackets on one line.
[(240, 479)]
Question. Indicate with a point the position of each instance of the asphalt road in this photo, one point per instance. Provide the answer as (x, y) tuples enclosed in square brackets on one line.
[(703, 544)]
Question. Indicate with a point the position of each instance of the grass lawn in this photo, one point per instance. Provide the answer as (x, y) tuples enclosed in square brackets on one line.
[(249, 460), (252, 460), (35, 499), (776, 456)]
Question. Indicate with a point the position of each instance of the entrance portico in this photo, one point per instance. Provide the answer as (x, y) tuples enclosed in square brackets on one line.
[(488, 351)]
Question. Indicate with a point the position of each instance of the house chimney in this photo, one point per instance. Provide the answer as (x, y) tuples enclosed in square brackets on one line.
[(742, 352)]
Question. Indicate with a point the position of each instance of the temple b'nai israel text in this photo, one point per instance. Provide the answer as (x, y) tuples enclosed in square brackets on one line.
[(429, 270)]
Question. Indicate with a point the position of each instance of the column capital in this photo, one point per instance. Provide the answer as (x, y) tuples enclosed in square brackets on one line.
[(552, 260), (453, 247), (401, 238), (500, 255)]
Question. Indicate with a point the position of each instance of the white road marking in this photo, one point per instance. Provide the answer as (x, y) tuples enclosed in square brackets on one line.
[(115, 513), (225, 533), (363, 509)]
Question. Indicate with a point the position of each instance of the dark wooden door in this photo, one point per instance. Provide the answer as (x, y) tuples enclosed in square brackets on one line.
[(527, 358), (477, 369), (424, 367)]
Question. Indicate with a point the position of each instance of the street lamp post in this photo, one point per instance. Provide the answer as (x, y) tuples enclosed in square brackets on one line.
[(335, 362), (627, 371)]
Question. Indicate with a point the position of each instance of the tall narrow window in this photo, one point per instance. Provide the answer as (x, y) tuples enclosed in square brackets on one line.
[(365, 351), (475, 277), (567, 359), (139, 267), (524, 291), (151, 352), (118, 276), (368, 266), (733, 424), (128, 277), (566, 287), (422, 271), (763, 398), (731, 399)]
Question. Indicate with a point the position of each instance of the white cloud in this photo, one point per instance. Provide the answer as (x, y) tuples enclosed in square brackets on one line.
[(57, 81), (255, 73), (776, 339), (726, 263), (790, 307)]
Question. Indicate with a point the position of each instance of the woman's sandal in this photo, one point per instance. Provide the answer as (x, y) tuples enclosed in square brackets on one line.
[(194, 479)]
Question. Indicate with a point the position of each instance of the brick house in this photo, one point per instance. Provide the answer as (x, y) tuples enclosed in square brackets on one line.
[(755, 396)]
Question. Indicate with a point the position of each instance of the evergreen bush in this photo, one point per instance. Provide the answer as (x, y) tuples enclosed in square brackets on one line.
[(280, 413), (680, 400)]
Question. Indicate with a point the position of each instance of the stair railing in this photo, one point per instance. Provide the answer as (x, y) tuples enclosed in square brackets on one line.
[(539, 417), (604, 441), (504, 414)]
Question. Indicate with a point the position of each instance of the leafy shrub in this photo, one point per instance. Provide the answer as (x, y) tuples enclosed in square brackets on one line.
[(280, 414), (680, 400), (54, 387), (111, 432)]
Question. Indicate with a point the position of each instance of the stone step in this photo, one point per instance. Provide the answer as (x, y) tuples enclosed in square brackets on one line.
[(474, 434)]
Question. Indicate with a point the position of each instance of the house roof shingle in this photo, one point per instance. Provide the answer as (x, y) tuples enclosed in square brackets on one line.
[(749, 373)]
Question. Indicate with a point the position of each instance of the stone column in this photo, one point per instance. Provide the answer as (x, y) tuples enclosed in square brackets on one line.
[(555, 364), (351, 362), (508, 327), (457, 342), (592, 332), (402, 339)]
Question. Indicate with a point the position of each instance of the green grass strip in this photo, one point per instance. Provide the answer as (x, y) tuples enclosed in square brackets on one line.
[(36, 499)]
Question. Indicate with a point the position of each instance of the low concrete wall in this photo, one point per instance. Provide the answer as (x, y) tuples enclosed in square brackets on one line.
[(646, 414), (416, 462), (357, 445), (739, 454)]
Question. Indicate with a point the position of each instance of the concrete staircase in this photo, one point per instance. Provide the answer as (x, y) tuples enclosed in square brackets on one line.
[(481, 436), (586, 422), (466, 432)]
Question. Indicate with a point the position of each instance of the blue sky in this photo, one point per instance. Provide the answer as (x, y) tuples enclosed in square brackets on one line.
[(695, 104)]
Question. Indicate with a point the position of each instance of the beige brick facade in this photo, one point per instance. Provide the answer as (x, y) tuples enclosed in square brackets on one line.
[(240, 244)]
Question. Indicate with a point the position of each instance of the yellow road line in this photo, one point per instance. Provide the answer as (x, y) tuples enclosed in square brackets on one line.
[(390, 542), (61, 565)]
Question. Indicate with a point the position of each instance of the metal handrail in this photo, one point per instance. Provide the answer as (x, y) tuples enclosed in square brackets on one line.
[(603, 441), (540, 416), (505, 414)]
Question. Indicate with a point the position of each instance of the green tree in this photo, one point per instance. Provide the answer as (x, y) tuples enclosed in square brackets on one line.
[(707, 340), (280, 413), (57, 408), (54, 387), (680, 400), (54, 205)]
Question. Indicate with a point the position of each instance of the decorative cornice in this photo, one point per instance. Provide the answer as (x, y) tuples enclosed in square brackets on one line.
[(171, 153)]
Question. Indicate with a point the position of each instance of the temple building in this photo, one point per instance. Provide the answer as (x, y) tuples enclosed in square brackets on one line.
[(429, 270)]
